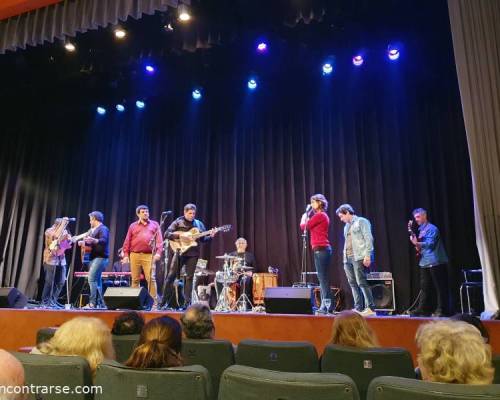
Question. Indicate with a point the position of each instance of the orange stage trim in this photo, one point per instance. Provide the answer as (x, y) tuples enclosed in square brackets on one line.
[(10, 8), (18, 327)]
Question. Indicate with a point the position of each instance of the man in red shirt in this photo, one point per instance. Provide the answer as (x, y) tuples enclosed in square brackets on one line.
[(142, 248), (316, 221)]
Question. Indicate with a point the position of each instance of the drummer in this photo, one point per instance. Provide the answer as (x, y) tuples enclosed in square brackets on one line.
[(245, 264)]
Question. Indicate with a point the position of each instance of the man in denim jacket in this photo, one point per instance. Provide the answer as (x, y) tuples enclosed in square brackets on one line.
[(358, 250), (433, 260)]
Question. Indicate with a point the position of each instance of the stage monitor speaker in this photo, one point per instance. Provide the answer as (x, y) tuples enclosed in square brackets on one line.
[(127, 298), (288, 300), (10, 297), (383, 293)]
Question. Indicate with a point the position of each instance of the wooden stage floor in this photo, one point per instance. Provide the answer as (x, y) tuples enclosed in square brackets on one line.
[(18, 327)]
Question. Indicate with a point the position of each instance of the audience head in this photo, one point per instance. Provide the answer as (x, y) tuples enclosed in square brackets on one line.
[(159, 345), (453, 352), (351, 329), (128, 323), (11, 375), (197, 322), (474, 321), (86, 337)]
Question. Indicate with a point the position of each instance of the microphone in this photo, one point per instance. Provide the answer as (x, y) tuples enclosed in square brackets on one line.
[(166, 212), (308, 208)]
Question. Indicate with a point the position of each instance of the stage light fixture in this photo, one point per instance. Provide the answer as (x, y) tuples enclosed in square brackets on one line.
[(196, 94), (120, 108), (327, 68), (393, 53), (183, 12), (140, 104), (101, 110), (262, 47), (168, 27), (252, 84), (358, 60), (150, 69), (120, 33), (70, 47)]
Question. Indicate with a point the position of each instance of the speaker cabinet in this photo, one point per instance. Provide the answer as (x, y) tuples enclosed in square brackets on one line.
[(127, 298), (288, 300), (10, 297), (383, 291)]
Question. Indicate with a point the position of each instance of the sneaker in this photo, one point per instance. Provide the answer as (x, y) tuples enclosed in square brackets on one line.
[(89, 307), (367, 312)]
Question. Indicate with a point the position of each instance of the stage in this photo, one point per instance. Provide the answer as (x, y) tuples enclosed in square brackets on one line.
[(18, 327)]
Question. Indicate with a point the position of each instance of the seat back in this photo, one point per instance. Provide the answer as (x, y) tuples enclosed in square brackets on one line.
[(45, 334), (395, 388), (124, 346), (278, 356), (119, 382), (363, 365), (45, 370), (496, 365), (248, 383), (214, 355)]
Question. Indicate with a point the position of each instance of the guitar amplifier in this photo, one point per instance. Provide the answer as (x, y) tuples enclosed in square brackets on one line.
[(382, 286)]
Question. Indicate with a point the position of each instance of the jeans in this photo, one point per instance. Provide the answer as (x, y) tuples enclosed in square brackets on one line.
[(96, 266), (322, 260), (354, 270), (55, 276)]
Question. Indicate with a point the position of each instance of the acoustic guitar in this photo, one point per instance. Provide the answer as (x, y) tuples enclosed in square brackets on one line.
[(189, 238), (85, 249), (413, 234)]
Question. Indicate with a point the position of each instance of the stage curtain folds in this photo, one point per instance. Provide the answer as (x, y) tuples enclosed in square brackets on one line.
[(70, 17), (476, 41)]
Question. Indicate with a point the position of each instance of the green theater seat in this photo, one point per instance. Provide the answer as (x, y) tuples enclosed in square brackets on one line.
[(124, 345)]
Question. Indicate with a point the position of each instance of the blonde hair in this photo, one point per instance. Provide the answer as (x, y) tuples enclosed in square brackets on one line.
[(351, 329), (453, 352), (86, 337)]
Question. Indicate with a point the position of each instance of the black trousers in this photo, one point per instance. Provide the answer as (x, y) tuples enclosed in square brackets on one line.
[(189, 263), (434, 287)]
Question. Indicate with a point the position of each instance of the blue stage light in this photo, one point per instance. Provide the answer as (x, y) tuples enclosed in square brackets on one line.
[(140, 104), (262, 47), (393, 53), (150, 69), (196, 94), (327, 68), (101, 110), (120, 108), (358, 60), (252, 84)]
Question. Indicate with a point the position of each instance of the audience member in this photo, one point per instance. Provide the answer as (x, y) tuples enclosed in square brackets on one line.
[(159, 345), (11, 377), (197, 322), (128, 323), (351, 329), (453, 352), (474, 321)]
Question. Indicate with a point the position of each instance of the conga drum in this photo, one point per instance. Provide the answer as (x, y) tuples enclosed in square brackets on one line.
[(260, 282)]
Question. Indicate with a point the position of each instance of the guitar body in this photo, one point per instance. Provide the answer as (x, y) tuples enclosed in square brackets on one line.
[(85, 254), (185, 242), (410, 231)]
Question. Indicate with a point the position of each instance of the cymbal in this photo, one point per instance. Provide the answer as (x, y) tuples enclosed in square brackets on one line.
[(245, 267), (226, 257), (204, 272)]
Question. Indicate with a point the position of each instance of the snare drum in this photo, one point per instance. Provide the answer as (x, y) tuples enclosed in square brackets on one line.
[(260, 282), (229, 275)]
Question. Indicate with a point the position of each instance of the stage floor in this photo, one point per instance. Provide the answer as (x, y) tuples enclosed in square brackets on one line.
[(18, 327)]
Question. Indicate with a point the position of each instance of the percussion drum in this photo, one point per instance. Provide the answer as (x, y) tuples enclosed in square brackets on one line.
[(260, 282)]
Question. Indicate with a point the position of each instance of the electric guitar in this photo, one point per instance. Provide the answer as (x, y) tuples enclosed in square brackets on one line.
[(410, 231), (189, 239)]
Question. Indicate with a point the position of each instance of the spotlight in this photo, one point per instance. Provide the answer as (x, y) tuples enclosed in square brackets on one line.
[(120, 108), (327, 68), (252, 84), (70, 47), (393, 53), (196, 94), (358, 60), (150, 69), (101, 110), (184, 14), (262, 47), (120, 33), (168, 27), (140, 104)]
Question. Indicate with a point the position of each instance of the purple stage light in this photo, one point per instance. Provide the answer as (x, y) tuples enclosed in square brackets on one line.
[(150, 69), (358, 60), (393, 53), (262, 47)]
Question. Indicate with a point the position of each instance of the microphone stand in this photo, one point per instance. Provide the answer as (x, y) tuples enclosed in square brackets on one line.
[(305, 236)]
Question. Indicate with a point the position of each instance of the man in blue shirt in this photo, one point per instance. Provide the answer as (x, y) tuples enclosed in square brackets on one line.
[(433, 274)]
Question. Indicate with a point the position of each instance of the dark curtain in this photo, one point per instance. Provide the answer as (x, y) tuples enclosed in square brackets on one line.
[(476, 41), (251, 160)]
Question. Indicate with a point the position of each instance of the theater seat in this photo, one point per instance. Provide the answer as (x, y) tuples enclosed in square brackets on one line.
[(247, 383), (45, 370), (395, 388), (362, 365), (180, 383), (278, 356), (124, 345), (496, 365), (45, 334), (214, 355)]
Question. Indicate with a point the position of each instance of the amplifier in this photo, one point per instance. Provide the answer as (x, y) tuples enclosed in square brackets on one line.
[(382, 286)]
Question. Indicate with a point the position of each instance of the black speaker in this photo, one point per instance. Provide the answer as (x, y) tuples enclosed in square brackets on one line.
[(288, 300), (10, 297), (383, 293), (127, 298)]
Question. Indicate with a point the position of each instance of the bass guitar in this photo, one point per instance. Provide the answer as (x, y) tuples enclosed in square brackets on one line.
[(189, 238)]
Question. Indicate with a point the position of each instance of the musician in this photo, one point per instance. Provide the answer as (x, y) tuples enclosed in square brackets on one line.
[(138, 249), (54, 262), (244, 257), (120, 266), (317, 222), (189, 258), (358, 252), (98, 240), (433, 274)]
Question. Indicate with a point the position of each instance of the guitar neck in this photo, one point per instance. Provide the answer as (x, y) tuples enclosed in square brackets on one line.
[(201, 234)]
